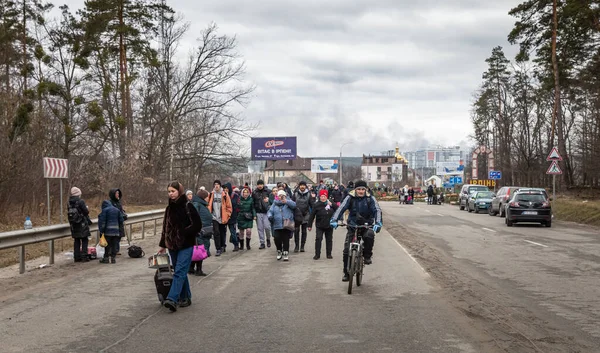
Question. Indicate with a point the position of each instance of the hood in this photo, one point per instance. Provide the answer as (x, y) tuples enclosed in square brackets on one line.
[(112, 194), (196, 198), (306, 191), (228, 186), (73, 198), (106, 204), (202, 202)]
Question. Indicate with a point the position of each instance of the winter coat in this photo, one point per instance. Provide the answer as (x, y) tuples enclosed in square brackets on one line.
[(337, 195), (280, 211), (362, 209), (235, 206), (257, 196), (110, 220), (80, 230), (304, 203), (112, 194), (322, 214), (246, 206), (181, 224), (205, 216), (226, 208)]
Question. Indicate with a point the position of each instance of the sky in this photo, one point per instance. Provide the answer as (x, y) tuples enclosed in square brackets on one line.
[(374, 73)]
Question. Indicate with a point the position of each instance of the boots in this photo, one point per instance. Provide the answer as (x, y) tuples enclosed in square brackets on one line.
[(241, 241), (198, 271), (248, 244), (296, 248), (236, 247), (302, 247), (192, 268)]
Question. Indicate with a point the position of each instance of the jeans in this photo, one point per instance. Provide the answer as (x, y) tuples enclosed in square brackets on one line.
[(220, 235), (80, 248), (328, 240), (111, 249), (368, 242), (233, 234), (303, 226), (264, 226), (180, 288), (282, 239)]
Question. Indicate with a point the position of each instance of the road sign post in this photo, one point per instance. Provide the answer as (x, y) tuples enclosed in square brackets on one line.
[(554, 168), (55, 168)]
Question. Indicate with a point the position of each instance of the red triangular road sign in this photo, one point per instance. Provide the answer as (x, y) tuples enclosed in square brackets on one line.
[(554, 155), (554, 169)]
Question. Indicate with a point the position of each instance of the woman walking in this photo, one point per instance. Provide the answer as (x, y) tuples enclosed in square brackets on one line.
[(245, 219), (180, 226), (323, 212), (200, 201), (281, 212)]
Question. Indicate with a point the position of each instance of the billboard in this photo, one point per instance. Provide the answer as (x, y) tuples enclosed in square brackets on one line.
[(450, 168), (324, 165), (397, 172), (273, 148)]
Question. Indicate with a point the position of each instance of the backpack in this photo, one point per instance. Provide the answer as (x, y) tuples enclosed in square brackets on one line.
[(135, 251), (74, 215)]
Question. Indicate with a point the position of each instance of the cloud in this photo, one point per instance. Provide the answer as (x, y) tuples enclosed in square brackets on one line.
[(375, 73)]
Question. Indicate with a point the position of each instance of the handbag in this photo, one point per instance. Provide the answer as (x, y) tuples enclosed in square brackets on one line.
[(289, 224), (248, 216), (199, 253), (103, 243)]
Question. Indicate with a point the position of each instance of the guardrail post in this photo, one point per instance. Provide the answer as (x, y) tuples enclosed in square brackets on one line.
[(51, 255), (131, 230), (22, 259), (154, 226), (143, 230)]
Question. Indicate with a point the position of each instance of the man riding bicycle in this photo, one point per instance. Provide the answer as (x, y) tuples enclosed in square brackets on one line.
[(364, 209)]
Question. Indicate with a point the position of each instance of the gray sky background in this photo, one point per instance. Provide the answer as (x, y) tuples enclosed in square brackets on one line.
[(369, 72)]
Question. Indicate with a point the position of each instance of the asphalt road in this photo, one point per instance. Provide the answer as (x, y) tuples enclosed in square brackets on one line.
[(470, 285), (249, 303)]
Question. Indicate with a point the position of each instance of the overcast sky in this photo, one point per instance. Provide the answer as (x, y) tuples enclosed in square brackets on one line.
[(372, 72)]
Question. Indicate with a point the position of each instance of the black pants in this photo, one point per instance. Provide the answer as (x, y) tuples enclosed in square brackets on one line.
[(282, 239), (220, 235), (328, 240), (303, 226), (368, 240), (80, 248), (111, 249)]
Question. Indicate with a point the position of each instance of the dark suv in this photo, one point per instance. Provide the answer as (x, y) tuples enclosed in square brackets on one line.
[(503, 197), (466, 191), (529, 206)]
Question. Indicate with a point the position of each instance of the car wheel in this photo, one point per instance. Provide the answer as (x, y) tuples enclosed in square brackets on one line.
[(462, 208), (509, 223), (476, 209), (502, 211), (549, 224), (469, 208), (491, 211)]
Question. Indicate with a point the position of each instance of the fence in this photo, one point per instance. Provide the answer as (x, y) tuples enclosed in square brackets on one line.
[(21, 238)]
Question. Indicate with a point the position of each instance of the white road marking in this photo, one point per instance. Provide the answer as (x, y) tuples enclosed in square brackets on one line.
[(409, 255), (534, 243), (441, 215), (489, 230), (428, 211)]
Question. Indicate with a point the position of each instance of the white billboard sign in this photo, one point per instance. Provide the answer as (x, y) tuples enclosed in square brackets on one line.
[(450, 168), (324, 165), (397, 172)]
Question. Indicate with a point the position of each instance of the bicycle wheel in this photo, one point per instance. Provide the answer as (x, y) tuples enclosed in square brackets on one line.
[(351, 270), (359, 269)]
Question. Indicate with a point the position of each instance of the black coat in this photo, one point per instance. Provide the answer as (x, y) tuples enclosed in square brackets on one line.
[(258, 195), (181, 224), (337, 195), (322, 215), (80, 230)]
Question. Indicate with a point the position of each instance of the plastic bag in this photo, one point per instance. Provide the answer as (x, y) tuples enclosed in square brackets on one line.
[(103, 243), (99, 251)]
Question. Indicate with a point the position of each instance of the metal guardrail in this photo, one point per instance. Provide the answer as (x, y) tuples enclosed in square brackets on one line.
[(21, 238)]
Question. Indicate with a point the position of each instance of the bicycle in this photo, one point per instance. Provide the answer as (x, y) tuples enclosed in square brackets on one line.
[(356, 261)]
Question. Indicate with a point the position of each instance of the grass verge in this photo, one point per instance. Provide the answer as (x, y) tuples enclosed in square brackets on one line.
[(578, 211)]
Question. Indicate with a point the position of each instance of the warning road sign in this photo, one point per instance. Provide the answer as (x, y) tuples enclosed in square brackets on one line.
[(554, 169), (554, 155)]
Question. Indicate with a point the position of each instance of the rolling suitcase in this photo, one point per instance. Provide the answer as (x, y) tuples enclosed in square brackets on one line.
[(163, 279)]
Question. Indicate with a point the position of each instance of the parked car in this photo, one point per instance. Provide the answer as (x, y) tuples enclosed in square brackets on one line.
[(480, 200), (503, 197), (529, 206), (466, 191)]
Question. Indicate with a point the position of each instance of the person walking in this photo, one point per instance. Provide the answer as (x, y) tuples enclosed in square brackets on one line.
[(232, 223), (337, 195), (304, 204), (200, 202), (79, 220), (110, 222), (260, 198), (245, 218), (219, 204), (115, 196), (322, 212), (181, 225), (282, 211)]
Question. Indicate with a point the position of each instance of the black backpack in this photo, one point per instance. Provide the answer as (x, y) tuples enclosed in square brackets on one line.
[(135, 251), (74, 215)]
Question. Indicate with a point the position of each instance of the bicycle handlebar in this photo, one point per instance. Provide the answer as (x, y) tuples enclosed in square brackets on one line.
[(366, 226)]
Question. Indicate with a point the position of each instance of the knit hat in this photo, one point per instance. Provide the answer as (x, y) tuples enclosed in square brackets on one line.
[(302, 183), (75, 191), (281, 193), (189, 192), (202, 194), (360, 184), (236, 189), (323, 192)]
